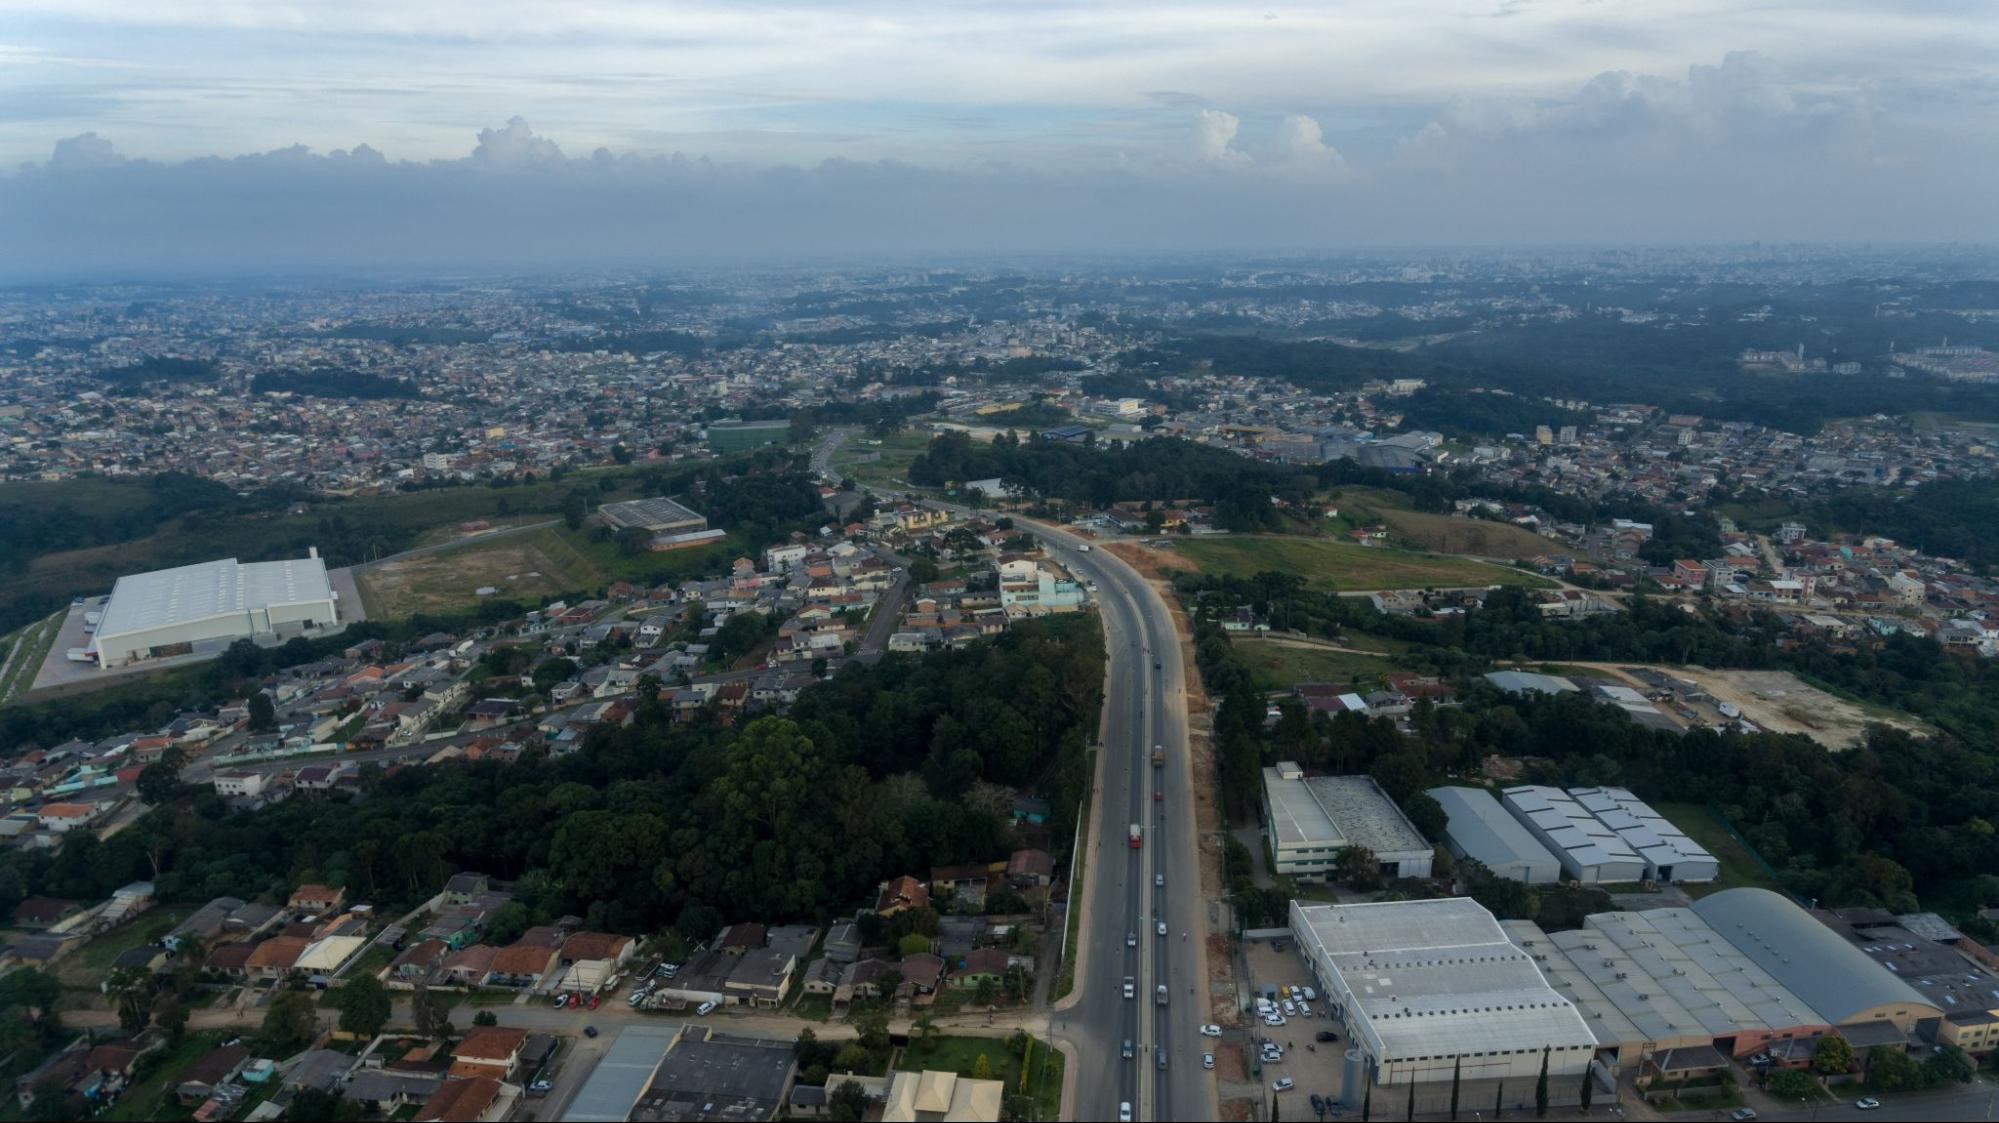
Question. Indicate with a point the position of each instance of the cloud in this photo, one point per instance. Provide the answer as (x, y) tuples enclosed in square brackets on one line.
[(1214, 132), (1301, 146), (84, 151), (515, 146)]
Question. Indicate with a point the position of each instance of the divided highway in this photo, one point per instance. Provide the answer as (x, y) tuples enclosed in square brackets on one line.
[(1135, 895)]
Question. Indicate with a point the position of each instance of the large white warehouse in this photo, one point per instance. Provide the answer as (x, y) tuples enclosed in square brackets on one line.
[(167, 611), (1670, 856), (1310, 819), (1432, 988)]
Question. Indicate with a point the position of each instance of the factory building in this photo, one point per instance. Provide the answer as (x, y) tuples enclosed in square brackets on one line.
[(1670, 856), (1480, 829), (658, 514), (1589, 851), (1663, 979), (1429, 989), (1310, 819), (167, 612), (1849, 988)]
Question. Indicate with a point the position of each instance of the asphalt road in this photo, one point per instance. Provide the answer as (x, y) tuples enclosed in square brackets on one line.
[(1131, 892)]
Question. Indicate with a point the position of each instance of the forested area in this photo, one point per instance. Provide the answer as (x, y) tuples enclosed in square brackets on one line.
[(1900, 819), (1100, 474), (333, 384), (882, 770)]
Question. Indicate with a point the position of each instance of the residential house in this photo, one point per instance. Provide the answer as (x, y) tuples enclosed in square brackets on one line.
[(275, 958), (899, 894), (468, 966), (521, 966), (492, 1051), (316, 900), (923, 972), (980, 965), (473, 1099), (210, 1071), (1030, 869)]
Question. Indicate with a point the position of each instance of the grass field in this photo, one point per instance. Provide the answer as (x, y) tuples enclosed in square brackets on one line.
[(1443, 534), (1738, 868), (961, 1055), (891, 468), (522, 567), (1325, 564), (1280, 666)]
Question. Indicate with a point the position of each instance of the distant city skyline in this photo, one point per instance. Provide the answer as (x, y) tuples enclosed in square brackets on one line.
[(611, 132)]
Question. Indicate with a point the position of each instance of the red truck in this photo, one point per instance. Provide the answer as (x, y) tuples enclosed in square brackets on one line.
[(1134, 836)]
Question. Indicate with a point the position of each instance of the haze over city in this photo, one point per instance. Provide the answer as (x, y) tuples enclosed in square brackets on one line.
[(162, 136)]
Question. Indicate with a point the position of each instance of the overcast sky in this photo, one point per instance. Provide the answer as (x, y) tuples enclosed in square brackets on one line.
[(164, 134)]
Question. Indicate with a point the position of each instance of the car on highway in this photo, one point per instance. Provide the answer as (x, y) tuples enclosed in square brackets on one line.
[(1131, 939), (1124, 1112), (1130, 987), (1159, 880), (1162, 928), (1129, 1051), (1211, 1030), (1162, 1056), (1868, 1103), (1742, 1114), (1207, 1060), (1159, 994), (1283, 1084), (1158, 796)]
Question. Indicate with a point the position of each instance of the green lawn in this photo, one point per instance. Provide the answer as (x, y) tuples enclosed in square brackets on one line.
[(1738, 868), (961, 1055), (1066, 981), (1343, 566), (1279, 666), (891, 468)]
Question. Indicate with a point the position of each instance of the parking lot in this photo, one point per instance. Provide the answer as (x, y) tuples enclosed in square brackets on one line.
[(1291, 1050)]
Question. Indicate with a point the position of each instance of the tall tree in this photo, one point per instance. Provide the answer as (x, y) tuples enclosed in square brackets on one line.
[(1541, 1086), (364, 1005)]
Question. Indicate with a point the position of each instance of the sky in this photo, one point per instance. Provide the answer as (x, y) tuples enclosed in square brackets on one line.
[(164, 135)]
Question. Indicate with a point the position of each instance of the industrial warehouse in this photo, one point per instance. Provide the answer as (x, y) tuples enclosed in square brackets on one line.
[(170, 612), (1435, 991), (1310, 819), (1438, 991)]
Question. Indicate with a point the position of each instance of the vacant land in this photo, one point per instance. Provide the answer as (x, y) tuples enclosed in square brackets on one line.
[(1443, 534), (24, 653), (521, 567), (450, 579), (1325, 564), (1280, 664), (1781, 702), (884, 464), (1738, 868)]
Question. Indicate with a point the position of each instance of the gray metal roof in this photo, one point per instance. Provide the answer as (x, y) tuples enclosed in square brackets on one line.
[(1523, 682), (1815, 963), (1481, 828), (143, 601), (627, 1069)]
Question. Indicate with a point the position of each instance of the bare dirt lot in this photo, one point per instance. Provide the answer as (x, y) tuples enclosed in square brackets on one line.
[(517, 568), (1781, 702)]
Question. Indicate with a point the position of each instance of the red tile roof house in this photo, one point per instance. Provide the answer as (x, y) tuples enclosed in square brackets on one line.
[(900, 893), (275, 957), (521, 966), (473, 1099), (316, 899), (493, 1051)]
